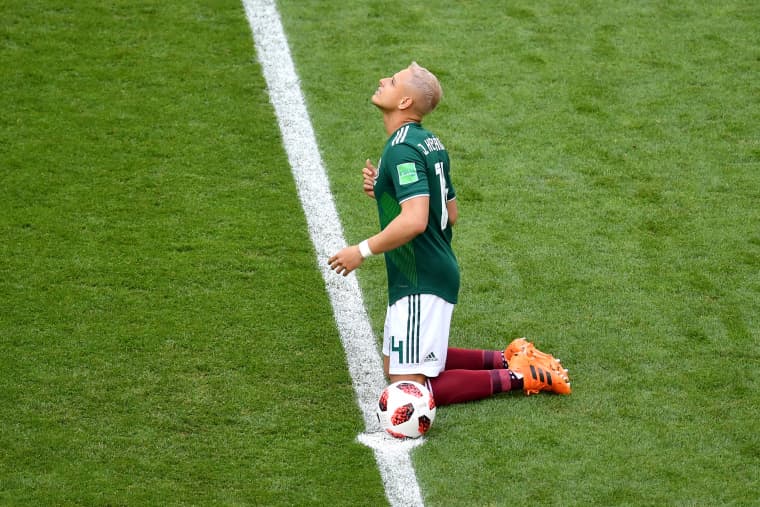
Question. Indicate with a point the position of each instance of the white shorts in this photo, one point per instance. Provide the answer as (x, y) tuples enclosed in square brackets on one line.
[(416, 335)]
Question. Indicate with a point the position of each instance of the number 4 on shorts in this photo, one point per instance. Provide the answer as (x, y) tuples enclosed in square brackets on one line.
[(398, 348)]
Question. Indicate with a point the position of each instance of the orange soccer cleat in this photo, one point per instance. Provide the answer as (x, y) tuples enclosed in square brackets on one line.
[(517, 345), (523, 345), (540, 371)]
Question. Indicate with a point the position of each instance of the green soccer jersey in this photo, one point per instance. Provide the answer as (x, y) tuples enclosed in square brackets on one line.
[(415, 163)]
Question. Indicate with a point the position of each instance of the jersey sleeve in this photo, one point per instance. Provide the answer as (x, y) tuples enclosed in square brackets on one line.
[(406, 166)]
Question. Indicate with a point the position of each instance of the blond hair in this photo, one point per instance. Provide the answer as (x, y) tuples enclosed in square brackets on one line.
[(427, 85)]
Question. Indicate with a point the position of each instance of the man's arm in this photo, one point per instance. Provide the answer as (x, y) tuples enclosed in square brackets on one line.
[(451, 207), (410, 223), (369, 173)]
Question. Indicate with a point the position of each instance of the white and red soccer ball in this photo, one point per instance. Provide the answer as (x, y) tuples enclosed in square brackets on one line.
[(406, 409)]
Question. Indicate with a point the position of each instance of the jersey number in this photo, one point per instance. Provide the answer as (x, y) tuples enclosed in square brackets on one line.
[(444, 193), (398, 348)]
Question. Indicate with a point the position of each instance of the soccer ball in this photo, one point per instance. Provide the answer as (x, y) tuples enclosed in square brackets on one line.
[(406, 409)]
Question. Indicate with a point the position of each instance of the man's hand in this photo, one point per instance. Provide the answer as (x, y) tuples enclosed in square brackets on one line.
[(346, 260), (369, 172)]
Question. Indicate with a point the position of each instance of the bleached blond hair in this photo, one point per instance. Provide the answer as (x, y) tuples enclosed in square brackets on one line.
[(427, 85)]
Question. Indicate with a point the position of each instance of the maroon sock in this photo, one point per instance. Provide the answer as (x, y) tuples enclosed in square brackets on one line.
[(474, 359), (459, 386)]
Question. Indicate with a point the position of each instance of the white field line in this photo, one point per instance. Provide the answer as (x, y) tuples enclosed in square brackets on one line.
[(326, 233)]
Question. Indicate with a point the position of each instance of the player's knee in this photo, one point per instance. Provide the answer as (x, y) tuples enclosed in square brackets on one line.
[(414, 377)]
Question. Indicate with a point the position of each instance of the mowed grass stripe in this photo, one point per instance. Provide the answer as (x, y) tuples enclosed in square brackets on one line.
[(326, 233)]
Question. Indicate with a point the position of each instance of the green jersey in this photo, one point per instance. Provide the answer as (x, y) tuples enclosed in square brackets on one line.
[(415, 163)]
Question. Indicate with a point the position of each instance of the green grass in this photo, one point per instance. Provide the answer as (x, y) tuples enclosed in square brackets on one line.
[(159, 303), (606, 158), (164, 332)]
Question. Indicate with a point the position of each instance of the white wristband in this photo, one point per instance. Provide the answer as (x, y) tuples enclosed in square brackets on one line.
[(364, 249)]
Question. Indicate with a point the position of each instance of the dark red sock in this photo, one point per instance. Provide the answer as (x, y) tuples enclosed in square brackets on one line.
[(459, 386), (474, 359)]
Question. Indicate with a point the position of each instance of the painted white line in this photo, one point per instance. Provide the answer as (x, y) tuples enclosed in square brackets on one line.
[(326, 233)]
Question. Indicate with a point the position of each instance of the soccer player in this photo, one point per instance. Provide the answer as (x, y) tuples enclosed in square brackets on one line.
[(417, 206)]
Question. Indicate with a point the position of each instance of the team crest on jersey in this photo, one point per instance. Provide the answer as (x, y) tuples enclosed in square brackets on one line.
[(407, 173)]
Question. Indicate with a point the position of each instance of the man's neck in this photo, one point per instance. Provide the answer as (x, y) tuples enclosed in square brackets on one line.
[(393, 122)]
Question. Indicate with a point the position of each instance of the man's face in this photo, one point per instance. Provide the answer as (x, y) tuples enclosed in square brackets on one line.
[(392, 90)]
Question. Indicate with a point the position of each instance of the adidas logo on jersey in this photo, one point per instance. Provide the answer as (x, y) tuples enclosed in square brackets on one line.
[(430, 358)]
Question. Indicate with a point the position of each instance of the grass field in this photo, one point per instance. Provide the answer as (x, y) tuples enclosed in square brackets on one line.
[(164, 331)]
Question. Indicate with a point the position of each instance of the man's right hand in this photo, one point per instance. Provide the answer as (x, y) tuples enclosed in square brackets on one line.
[(369, 172)]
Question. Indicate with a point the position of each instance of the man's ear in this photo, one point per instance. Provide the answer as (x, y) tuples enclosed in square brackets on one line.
[(406, 102)]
